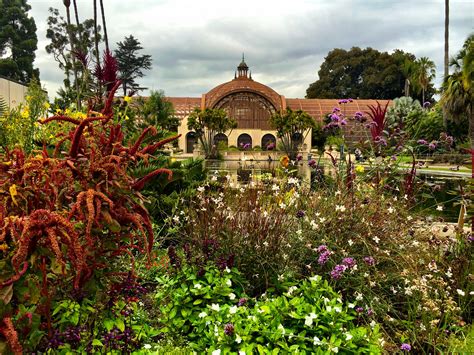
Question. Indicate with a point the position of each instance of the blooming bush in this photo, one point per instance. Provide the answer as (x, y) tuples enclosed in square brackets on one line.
[(209, 310)]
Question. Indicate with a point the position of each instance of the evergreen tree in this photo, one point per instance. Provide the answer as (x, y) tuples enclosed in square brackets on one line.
[(18, 41), (130, 64)]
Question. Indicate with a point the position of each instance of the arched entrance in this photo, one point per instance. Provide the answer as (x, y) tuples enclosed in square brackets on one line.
[(191, 140), (297, 139), (244, 140), (221, 139), (268, 139)]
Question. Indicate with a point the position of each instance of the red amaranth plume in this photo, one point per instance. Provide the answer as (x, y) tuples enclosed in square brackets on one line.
[(109, 70), (150, 149), (9, 332), (140, 184)]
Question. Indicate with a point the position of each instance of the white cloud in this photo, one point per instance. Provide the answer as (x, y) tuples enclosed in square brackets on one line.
[(196, 45)]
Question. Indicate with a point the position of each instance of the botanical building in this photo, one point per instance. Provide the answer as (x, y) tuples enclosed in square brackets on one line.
[(252, 103)]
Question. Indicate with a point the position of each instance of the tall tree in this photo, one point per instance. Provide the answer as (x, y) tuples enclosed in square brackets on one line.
[(70, 32), (60, 47), (106, 38), (362, 73), (425, 73), (130, 64), (446, 52), (18, 41)]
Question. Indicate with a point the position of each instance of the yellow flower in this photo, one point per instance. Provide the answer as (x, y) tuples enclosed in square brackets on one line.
[(25, 113), (3, 247), (359, 169), (13, 193), (127, 99), (284, 161), (46, 106)]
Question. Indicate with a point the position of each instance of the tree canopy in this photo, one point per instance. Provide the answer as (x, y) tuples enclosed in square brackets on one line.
[(130, 64), (18, 41), (366, 73)]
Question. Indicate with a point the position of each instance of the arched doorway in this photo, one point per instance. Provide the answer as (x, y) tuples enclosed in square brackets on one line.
[(244, 141), (191, 140), (221, 139), (268, 139), (297, 139)]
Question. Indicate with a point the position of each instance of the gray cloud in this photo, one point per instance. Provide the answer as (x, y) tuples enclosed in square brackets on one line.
[(197, 45)]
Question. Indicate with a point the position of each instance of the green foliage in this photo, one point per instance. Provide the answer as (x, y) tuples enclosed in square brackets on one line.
[(206, 124), (210, 312), (425, 72), (20, 127), (424, 124), (130, 64), (157, 111), (18, 41), (318, 137), (292, 128), (362, 73)]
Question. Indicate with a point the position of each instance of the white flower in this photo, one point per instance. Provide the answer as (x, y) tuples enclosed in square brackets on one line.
[(461, 292), (317, 341), (228, 283), (359, 296), (233, 309), (439, 208), (341, 208), (308, 320), (350, 242), (315, 278), (337, 193), (232, 296), (214, 178), (338, 309), (335, 349), (238, 340), (449, 274), (376, 239), (291, 290), (409, 218), (282, 328), (373, 324), (176, 219), (215, 307), (349, 336), (241, 352), (147, 346), (282, 205), (299, 232), (390, 209), (202, 315), (198, 286), (351, 305), (216, 352), (275, 187), (201, 188)]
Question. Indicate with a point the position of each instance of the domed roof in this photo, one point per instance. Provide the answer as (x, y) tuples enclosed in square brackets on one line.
[(242, 83)]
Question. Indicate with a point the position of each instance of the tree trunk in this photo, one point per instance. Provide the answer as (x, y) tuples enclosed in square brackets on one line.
[(67, 4), (96, 42), (106, 38), (446, 54)]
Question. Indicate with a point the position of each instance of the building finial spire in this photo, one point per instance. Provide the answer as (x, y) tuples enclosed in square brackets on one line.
[(242, 69)]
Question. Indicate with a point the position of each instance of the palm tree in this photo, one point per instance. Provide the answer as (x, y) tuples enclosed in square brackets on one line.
[(426, 71), (458, 94), (67, 4), (446, 53)]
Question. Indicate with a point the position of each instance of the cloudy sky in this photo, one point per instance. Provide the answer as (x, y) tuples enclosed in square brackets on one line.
[(196, 45)]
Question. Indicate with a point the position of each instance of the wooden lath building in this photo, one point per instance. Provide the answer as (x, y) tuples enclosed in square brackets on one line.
[(252, 103)]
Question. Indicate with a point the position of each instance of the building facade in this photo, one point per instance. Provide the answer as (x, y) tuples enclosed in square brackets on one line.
[(12, 92), (251, 104)]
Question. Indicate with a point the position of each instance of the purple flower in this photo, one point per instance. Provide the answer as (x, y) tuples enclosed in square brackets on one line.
[(432, 146), (241, 302), (405, 347), (343, 122), (422, 141), (271, 146), (334, 117), (322, 248), (370, 312), (359, 309), (343, 101), (349, 99), (471, 238), (324, 257), (229, 329), (300, 214), (349, 262), (369, 260), (312, 163), (337, 272), (336, 109), (426, 104), (381, 141), (299, 157)]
